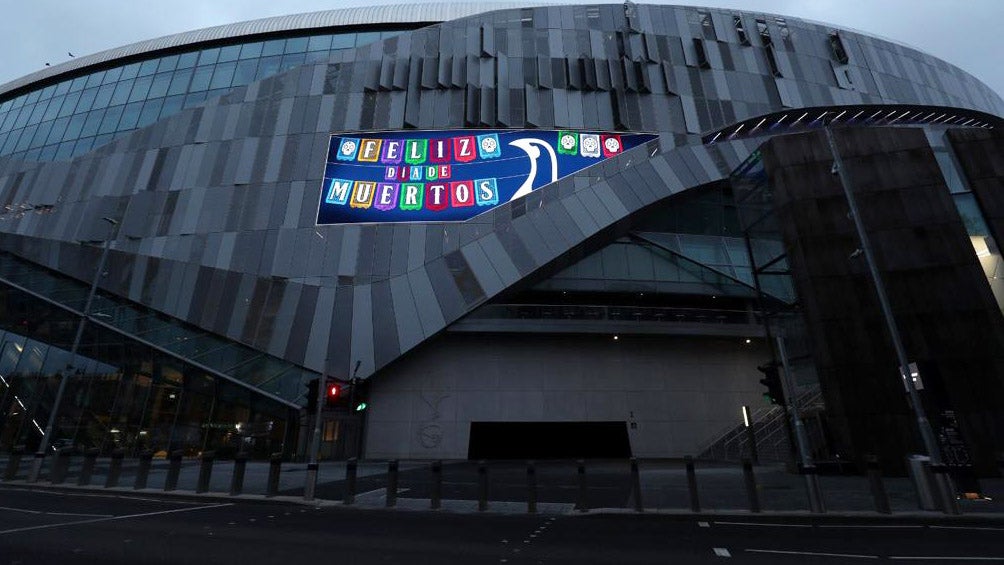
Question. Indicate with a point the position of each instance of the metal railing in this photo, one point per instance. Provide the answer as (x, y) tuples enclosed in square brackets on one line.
[(614, 313)]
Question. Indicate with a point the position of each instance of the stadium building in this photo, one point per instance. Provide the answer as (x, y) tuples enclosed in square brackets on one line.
[(508, 231)]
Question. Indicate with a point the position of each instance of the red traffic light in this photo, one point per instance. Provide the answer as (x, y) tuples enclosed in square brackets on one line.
[(333, 391)]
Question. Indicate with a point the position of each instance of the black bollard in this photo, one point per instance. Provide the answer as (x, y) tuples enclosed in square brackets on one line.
[(391, 484), (946, 491), (87, 469), (205, 471), (581, 504), (695, 499), (437, 485), (531, 488), (482, 486), (877, 486), (237, 479), (143, 472), (60, 465), (13, 463), (173, 470), (636, 486), (351, 468), (751, 486), (115, 469), (274, 467)]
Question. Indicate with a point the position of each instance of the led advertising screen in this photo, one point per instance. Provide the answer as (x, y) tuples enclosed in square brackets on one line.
[(431, 176)]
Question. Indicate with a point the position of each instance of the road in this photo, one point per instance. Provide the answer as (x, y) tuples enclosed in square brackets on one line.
[(45, 526)]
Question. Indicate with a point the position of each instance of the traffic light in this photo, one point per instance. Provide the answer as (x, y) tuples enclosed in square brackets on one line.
[(312, 395), (772, 380), (332, 393), (359, 395)]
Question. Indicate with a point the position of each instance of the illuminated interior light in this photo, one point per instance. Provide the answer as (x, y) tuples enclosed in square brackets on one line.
[(756, 127), (969, 121), (837, 117), (717, 135), (856, 115), (872, 117), (927, 117), (800, 118), (936, 120), (900, 117)]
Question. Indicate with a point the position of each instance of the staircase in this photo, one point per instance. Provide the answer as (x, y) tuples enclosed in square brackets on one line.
[(771, 433)]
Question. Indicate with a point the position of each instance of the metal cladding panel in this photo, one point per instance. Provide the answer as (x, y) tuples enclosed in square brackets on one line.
[(233, 187)]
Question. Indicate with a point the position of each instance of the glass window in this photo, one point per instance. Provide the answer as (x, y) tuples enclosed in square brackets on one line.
[(159, 87), (209, 56), (121, 94), (268, 66), (86, 100), (140, 89), (22, 117), (40, 134), (65, 151), (111, 120), (319, 43), (200, 80), (343, 41), (951, 174), (94, 79), (972, 217), (147, 68), (53, 108), (58, 129), (94, 118), (317, 56), (47, 92), (179, 82), (195, 99), (63, 87), (367, 37), (150, 112), (82, 146), (251, 50), (245, 72), (223, 75), (130, 116), (74, 127), (104, 96), (273, 47), (172, 105), (296, 45), (48, 153), (229, 53), (69, 104), (188, 60), (11, 143), (38, 112), (130, 71), (112, 75), (102, 139), (168, 64), (290, 61)]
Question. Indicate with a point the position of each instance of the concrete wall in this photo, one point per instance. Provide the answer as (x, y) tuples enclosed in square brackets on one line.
[(682, 392)]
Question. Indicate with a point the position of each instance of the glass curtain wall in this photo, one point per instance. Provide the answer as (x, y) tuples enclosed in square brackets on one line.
[(73, 116), (121, 393)]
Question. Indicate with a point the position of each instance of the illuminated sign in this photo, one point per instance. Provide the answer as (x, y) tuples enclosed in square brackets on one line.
[(423, 176)]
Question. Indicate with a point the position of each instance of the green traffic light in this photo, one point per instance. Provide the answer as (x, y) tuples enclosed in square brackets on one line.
[(361, 407)]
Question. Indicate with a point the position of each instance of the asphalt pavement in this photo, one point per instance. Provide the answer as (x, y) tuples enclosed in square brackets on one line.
[(48, 526)]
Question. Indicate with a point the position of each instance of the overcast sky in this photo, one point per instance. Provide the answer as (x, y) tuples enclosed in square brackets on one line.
[(34, 32)]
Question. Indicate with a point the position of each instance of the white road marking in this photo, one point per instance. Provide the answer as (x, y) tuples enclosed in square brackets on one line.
[(380, 491), (112, 518), (722, 552), (26, 511), (945, 558), (704, 524), (869, 527), (817, 554), (768, 524), (965, 528), (90, 495)]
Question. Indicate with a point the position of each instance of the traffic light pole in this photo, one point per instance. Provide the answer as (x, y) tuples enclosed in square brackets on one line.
[(315, 440), (808, 468)]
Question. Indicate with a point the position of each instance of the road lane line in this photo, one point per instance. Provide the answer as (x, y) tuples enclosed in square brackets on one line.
[(21, 510), (113, 518), (762, 524), (813, 553), (27, 511), (722, 552), (871, 527), (943, 558), (981, 528)]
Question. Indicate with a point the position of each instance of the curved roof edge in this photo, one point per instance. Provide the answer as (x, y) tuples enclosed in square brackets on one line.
[(384, 14)]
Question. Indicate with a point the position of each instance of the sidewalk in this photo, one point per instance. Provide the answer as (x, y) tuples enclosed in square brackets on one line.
[(721, 487)]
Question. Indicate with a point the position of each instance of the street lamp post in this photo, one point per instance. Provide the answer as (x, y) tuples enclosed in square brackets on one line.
[(43, 446)]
